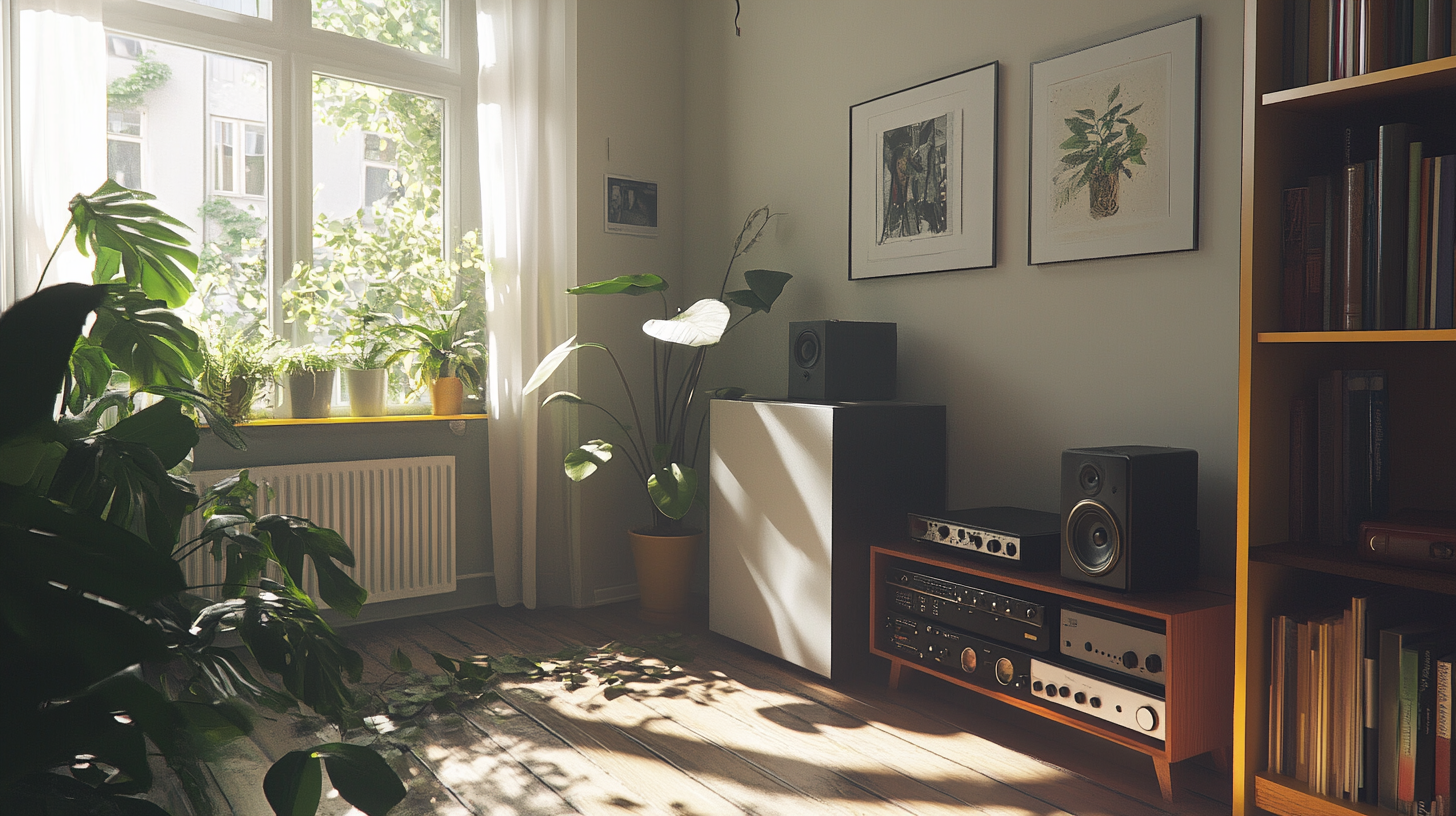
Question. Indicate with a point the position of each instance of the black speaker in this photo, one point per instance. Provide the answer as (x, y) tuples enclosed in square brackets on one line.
[(841, 361), (1130, 517)]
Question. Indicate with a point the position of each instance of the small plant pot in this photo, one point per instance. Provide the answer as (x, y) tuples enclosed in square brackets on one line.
[(447, 396), (237, 400), (310, 393), (664, 572), (366, 389)]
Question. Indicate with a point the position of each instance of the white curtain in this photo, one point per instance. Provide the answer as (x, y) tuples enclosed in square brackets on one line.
[(527, 125), (60, 117)]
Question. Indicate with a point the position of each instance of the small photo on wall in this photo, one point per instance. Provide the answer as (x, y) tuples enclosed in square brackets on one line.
[(631, 206)]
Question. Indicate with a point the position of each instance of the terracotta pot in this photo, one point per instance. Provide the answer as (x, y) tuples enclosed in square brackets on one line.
[(310, 393), (366, 389), (447, 395), (664, 571)]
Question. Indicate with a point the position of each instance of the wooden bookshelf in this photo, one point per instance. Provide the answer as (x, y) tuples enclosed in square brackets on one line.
[(1289, 135)]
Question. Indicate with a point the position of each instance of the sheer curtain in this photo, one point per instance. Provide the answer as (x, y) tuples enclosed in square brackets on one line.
[(60, 117), (528, 167)]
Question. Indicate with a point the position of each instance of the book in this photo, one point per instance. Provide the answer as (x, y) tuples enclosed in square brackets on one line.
[(1317, 223), (1423, 262), (1441, 784), (1377, 483), (1303, 470), (1438, 42), (1420, 31), (1402, 38), (1390, 722), (1405, 784), (1293, 232), (1352, 250), (1304, 678), (1374, 34), (1355, 482), (1370, 307), (1427, 651), (1331, 458), (1325, 188), (1372, 614), (1392, 202), (1441, 311), (1319, 41), (1413, 235)]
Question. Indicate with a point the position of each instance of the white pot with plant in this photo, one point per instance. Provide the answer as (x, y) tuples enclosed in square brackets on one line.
[(310, 380), (662, 449), (366, 348)]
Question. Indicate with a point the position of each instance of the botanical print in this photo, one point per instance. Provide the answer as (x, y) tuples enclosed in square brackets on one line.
[(1110, 156), (912, 181)]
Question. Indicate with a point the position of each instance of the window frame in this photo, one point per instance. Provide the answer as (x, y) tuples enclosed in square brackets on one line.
[(294, 51), (239, 160), (140, 138)]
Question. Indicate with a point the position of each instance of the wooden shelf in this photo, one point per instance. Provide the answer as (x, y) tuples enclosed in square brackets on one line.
[(1288, 797), (1401, 336), (1344, 562), (1422, 77)]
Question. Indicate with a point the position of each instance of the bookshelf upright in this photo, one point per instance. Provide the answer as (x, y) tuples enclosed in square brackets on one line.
[(1288, 135)]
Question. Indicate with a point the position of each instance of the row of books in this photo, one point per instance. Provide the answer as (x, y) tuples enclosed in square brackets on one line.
[(1373, 247), (1360, 703), (1339, 457), (1333, 39)]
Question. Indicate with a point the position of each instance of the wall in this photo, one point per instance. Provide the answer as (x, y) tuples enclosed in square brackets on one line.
[(629, 122), (1029, 360), (299, 444)]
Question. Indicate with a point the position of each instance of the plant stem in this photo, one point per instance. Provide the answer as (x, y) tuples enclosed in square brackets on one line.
[(47, 266)]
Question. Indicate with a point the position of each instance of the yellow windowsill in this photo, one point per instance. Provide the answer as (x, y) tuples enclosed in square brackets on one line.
[(347, 420)]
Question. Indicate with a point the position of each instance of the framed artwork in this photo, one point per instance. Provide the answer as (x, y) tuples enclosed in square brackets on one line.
[(922, 177), (1114, 148), (631, 206)]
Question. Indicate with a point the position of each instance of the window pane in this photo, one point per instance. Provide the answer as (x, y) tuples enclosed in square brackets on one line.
[(124, 162), (378, 230), (411, 24), (185, 112), (255, 168), (247, 7)]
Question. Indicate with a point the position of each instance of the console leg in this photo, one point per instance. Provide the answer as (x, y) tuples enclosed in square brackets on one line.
[(895, 667), (1165, 777), (1223, 759)]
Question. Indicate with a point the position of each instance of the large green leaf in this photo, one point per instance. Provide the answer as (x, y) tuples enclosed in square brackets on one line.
[(585, 460), (621, 285), (217, 421), (361, 776), (148, 342), (672, 489), (294, 783), (127, 484), (552, 361), (702, 324), (764, 287), (153, 257), (161, 427), (293, 538)]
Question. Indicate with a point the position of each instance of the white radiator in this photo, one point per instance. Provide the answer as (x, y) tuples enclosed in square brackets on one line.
[(397, 515)]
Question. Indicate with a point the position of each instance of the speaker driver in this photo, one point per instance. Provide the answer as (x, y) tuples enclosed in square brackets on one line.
[(806, 349), (1093, 538), (1089, 478)]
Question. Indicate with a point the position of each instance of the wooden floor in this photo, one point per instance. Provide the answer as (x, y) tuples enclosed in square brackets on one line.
[(737, 732)]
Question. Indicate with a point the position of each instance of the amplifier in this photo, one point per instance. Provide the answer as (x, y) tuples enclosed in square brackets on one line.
[(1138, 711), (985, 608), (1125, 643), (1011, 536), (978, 661), (1414, 538)]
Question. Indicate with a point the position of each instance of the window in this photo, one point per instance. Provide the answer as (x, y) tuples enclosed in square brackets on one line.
[(209, 128)]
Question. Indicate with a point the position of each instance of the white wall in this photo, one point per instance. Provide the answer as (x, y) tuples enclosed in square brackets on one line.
[(1029, 360)]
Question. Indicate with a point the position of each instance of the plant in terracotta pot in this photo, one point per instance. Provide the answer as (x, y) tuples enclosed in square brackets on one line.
[(310, 371), (661, 447), (448, 358), (237, 367), (366, 348)]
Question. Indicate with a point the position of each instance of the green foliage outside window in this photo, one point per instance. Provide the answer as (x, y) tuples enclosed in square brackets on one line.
[(131, 90), (412, 24)]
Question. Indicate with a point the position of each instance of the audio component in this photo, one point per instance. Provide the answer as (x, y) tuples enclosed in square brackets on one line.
[(1025, 538), (1130, 516), (1414, 539), (981, 662), (1137, 711), (983, 609), (1120, 641), (841, 360)]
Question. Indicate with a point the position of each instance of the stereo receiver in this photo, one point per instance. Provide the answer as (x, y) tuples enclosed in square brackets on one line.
[(1011, 536), (984, 609), (1122, 642), (1137, 711), (981, 662)]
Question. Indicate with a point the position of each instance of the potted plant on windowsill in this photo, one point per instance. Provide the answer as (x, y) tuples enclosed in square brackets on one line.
[(236, 366), (661, 450), (367, 349), (310, 371), (448, 359)]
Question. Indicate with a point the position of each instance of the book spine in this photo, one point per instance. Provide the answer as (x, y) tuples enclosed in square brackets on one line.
[(1316, 242), (1413, 234), (1424, 786), (1401, 32), (1378, 393), (1377, 34), (1304, 677), (1290, 704), (1388, 720), (1441, 786), (1392, 202), (1405, 792), (1370, 308), (1352, 253), (1420, 31), (1331, 458), (1319, 41), (1299, 57), (1423, 262), (1356, 485), (1293, 233), (1303, 470), (1444, 247), (1276, 695), (1332, 228), (1439, 39)]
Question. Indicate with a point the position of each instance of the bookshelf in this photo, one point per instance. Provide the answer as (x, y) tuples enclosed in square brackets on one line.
[(1288, 135)]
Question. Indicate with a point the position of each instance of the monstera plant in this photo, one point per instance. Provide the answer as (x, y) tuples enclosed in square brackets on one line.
[(108, 657), (661, 446)]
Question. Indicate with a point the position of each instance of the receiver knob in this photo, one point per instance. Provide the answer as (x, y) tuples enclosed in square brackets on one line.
[(1080, 698), (1051, 690), (943, 530), (1064, 691), (1096, 702), (1030, 612), (1129, 660), (1147, 718), (1153, 664), (994, 545), (1036, 685)]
